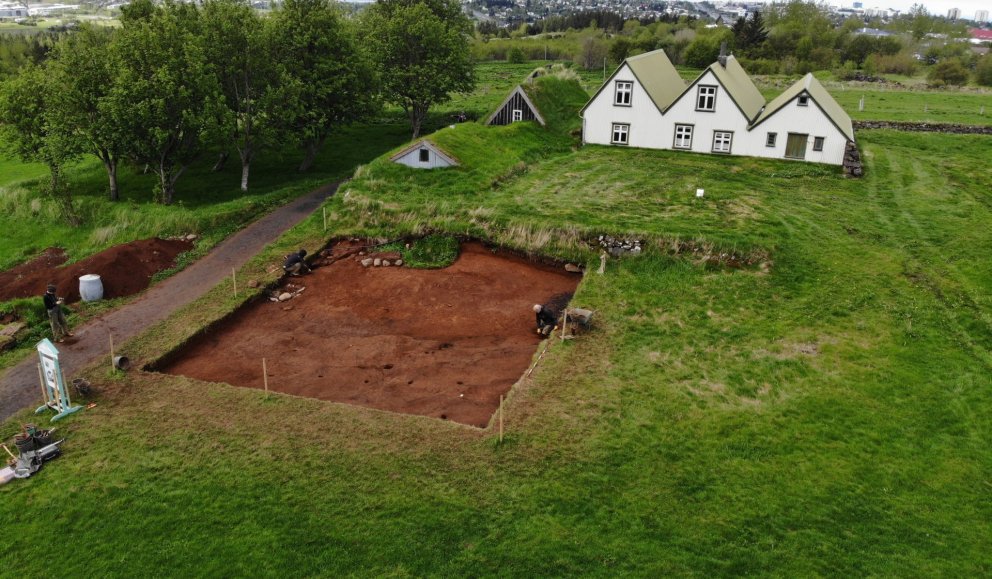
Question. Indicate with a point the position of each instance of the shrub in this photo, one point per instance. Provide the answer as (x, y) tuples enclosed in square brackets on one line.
[(983, 71), (949, 71), (902, 63), (515, 55)]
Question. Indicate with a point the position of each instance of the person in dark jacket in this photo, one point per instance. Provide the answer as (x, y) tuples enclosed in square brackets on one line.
[(53, 305), (296, 264), (547, 321)]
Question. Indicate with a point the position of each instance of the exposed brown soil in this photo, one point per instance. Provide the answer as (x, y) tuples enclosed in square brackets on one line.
[(123, 269), (443, 343)]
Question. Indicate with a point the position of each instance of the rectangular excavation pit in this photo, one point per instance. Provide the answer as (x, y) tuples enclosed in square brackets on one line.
[(444, 343)]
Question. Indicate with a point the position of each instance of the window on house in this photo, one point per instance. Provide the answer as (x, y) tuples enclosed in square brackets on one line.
[(722, 141), (518, 115), (706, 98), (803, 100), (623, 92), (795, 147), (620, 133), (425, 156), (770, 140), (817, 143), (683, 137)]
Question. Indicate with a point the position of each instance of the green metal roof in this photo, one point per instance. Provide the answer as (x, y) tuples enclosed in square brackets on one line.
[(658, 77), (739, 85), (819, 95)]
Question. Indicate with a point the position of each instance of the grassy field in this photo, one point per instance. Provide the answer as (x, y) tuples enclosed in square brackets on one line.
[(825, 411)]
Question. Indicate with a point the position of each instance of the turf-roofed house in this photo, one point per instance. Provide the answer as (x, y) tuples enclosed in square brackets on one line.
[(645, 103), (424, 154), (516, 108)]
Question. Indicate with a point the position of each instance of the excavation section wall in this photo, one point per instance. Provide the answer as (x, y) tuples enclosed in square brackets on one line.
[(443, 343)]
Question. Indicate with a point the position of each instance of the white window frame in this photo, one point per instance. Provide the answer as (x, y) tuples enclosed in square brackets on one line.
[(685, 135), (621, 130), (706, 98), (771, 139), (623, 92), (517, 115), (803, 100), (721, 138), (818, 143)]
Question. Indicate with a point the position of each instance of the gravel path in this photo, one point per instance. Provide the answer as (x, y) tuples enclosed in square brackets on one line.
[(19, 385)]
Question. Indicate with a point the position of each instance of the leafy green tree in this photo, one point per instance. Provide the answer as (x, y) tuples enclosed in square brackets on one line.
[(421, 52), (620, 49), (258, 99), (317, 52), (82, 69), (25, 132), (166, 97)]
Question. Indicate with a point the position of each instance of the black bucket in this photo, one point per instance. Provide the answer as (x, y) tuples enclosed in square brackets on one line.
[(24, 444)]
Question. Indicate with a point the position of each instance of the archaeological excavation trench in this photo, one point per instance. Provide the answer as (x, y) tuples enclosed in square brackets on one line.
[(442, 343)]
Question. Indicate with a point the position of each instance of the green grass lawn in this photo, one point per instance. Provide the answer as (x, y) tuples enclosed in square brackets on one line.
[(824, 412)]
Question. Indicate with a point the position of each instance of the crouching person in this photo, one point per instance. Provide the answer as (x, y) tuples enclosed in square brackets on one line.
[(547, 321), (295, 263)]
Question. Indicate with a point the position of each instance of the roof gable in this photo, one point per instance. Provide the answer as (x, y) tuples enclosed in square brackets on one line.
[(810, 86), (422, 144), (739, 86), (523, 94), (657, 76)]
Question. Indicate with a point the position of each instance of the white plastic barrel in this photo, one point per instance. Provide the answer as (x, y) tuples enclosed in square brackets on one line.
[(90, 287)]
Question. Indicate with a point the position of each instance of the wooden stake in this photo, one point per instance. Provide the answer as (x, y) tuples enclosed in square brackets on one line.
[(501, 419), (234, 279), (564, 325), (112, 368), (323, 211), (265, 376), (44, 391)]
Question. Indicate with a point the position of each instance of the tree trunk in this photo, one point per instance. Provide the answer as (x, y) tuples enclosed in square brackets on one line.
[(246, 154), (167, 187), (245, 166), (311, 148), (111, 165), (221, 161), (418, 113)]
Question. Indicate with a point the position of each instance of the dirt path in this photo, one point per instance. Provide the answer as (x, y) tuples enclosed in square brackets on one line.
[(19, 385)]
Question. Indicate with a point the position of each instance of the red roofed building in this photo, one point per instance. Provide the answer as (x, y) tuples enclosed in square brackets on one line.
[(979, 35)]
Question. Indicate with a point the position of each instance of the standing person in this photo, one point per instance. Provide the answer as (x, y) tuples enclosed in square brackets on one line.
[(295, 263), (53, 305), (547, 321)]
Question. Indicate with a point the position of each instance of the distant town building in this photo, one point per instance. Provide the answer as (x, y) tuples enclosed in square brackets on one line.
[(954, 13), (981, 16)]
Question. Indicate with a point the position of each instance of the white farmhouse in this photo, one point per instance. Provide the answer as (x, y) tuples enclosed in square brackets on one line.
[(424, 155), (647, 104)]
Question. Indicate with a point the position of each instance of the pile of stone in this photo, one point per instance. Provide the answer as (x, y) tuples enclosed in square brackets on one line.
[(287, 293), (922, 127), (618, 246), (852, 161), (393, 258)]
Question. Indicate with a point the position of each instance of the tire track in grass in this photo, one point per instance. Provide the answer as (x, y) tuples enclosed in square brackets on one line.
[(893, 204)]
